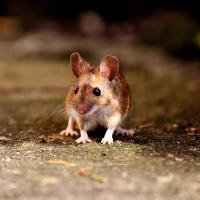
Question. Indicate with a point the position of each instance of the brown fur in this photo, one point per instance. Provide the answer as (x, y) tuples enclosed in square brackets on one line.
[(124, 94), (100, 96), (118, 85)]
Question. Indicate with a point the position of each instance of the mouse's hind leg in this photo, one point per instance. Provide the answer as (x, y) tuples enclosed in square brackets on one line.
[(124, 132), (69, 131)]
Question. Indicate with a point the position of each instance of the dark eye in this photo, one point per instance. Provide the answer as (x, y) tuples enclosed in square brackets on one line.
[(96, 91), (76, 90)]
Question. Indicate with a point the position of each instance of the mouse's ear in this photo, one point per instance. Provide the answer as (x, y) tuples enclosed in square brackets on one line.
[(77, 64), (109, 67)]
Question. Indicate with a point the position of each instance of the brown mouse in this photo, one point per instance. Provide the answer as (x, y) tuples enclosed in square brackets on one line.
[(100, 96)]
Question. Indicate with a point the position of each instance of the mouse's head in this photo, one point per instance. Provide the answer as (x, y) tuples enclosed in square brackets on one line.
[(94, 88)]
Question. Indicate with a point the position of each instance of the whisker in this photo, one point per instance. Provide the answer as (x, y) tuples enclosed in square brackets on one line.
[(59, 109)]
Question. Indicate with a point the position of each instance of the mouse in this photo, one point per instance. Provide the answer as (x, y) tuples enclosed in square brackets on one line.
[(99, 96)]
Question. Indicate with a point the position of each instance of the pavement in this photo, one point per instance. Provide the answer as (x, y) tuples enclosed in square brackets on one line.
[(160, 162)]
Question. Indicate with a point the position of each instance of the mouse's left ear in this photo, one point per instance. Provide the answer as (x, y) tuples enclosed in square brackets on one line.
[(77, 64), (109, 67)]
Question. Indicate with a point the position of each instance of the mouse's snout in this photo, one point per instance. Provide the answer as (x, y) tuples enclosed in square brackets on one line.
[(83, 108)]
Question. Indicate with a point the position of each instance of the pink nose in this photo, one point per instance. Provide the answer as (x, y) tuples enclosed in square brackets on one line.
[(83, 108)]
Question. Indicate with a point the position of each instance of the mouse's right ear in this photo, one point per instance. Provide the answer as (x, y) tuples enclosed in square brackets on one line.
[(77, 64)]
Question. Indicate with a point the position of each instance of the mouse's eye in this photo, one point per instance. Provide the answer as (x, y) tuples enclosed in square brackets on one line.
[(76, 90), (96, 91)]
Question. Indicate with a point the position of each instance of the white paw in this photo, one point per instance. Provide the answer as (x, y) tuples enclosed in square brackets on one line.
[(69, 132), (83, 140), (108, 140), (124, 132)]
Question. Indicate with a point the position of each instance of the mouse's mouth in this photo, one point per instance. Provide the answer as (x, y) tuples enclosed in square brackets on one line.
[(83, 109)]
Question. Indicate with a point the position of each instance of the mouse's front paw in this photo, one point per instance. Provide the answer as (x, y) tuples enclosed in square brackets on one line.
[(108, 140), (83, 140), (69, 132)]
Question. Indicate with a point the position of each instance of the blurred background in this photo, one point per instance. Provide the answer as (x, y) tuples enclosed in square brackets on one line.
[(157, 43), (171, 25)]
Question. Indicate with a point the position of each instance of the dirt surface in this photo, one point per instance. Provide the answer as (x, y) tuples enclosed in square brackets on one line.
[(161, 161)]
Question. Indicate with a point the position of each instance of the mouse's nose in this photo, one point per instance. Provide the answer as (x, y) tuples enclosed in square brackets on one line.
[(83, 108)]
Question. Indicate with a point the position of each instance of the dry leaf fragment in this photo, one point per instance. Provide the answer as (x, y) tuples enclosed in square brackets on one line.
[(3, 138), (194, 149), (86, 173), (62, 162), (170, 155), (147, 125), (176, 158), (179, 159), (175, 125), (82, 173), (42, 138), (191, 131), (100, 179), (50, 138)]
